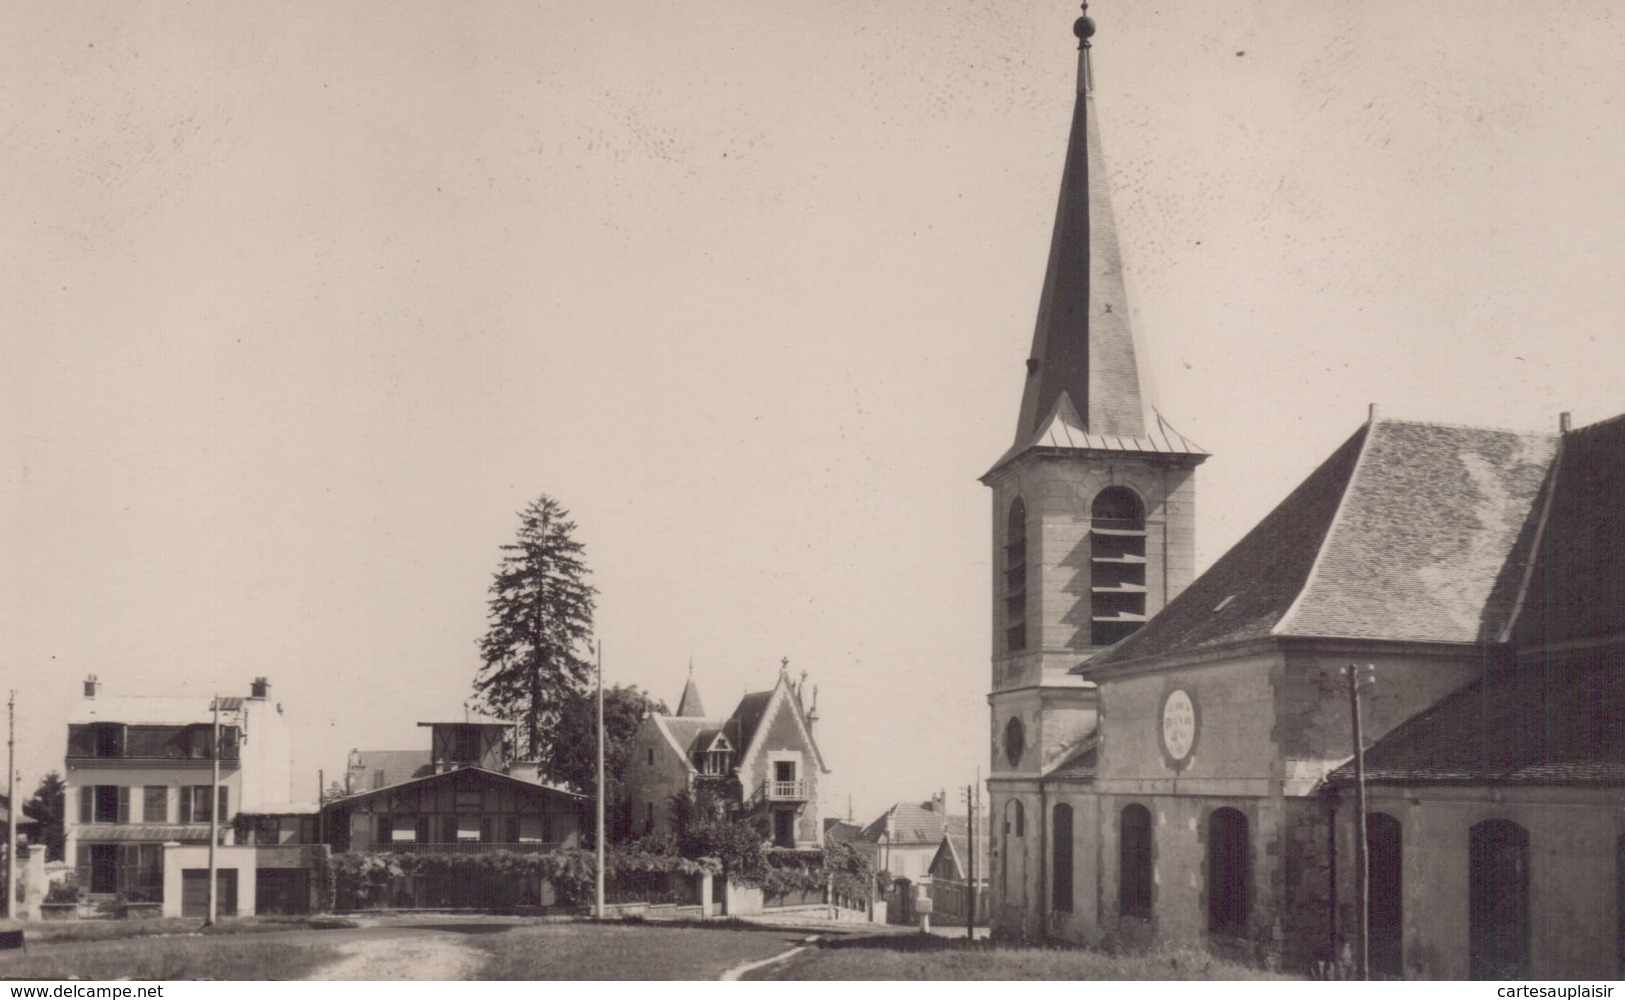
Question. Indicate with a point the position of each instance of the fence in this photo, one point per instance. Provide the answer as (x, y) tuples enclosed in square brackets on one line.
[(951, 902)]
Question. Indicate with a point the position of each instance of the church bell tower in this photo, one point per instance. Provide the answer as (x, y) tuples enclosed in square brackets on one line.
[(1093, 503)]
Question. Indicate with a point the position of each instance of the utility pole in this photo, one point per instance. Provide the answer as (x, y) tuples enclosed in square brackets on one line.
[(214, 813), (1358, 677), (598, 887), (970, 916), (11, 807)]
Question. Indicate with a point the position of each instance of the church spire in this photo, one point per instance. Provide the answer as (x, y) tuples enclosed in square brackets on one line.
[(1082, 377)]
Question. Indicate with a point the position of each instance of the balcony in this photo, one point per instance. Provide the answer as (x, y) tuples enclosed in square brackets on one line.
[(769, 792)]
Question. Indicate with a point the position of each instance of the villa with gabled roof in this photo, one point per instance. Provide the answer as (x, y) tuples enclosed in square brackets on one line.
[(758, 763)]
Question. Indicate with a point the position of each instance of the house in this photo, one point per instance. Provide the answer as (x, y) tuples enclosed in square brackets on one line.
[(461, 796), (760, 763), (1171, 755), (139, 795), (953, 860), (904, 839)]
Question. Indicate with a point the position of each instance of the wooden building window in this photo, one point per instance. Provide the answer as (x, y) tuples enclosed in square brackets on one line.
[(1117, 565), (1134, 879), (1498, 900)]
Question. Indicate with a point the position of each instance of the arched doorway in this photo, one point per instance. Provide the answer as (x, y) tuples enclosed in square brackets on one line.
[(1498, 900), (1385, 914)]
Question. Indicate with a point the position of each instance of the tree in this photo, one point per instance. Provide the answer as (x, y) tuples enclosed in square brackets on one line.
[(575, 757), (540, 621), (48, 808)]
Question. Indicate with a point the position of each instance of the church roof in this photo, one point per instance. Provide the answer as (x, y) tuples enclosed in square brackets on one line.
[(1581, 554), (1083, 384), (1518, 726), (1408, 532)]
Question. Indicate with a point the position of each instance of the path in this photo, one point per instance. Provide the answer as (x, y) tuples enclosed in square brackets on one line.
[(432, 955)]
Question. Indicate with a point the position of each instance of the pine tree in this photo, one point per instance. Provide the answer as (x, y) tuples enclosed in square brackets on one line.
[(48, 808), (540, 622)]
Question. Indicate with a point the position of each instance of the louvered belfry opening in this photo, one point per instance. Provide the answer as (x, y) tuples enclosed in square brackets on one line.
[(1117, 562), (1015, 578)]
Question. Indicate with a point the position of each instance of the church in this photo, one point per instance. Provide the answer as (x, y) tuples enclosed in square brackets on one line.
[(1171, 755)]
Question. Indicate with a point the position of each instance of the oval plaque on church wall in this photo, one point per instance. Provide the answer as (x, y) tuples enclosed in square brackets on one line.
[(1179, 722)]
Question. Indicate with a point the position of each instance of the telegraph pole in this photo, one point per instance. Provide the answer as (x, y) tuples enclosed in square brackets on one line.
[(214, 813), (598, 886), (1362, 847), (11, 807)]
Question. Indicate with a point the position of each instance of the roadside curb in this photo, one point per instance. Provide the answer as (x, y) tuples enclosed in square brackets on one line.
[(733, 974)]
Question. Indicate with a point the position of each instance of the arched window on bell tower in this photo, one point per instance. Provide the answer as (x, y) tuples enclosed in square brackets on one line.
[(1015, 577), (1117, 562)]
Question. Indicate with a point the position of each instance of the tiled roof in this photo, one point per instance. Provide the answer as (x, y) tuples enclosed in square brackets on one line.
[(1408, 532), (1079, 764), (1577, 589), (1518, 726), (905, 823), (1426, 545), (464, 774), (841, 830), (396, 766), (686, 732), (741, 726)]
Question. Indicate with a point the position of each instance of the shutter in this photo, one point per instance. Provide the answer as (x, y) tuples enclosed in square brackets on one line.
[(87, 806), (81, 862), (186, 805), (123, 804), (225, 803)]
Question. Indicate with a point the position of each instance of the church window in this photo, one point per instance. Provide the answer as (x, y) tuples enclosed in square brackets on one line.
[(1498, 901), (1384, 915), (1015, 819), (1015, 740), (1134, 863), (1117, 564), (1228, 899), (1061, 891), (1015, 577)]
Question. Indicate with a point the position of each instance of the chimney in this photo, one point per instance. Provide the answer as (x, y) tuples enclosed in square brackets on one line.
[(260, 688), (1564, 423), (91, 686)]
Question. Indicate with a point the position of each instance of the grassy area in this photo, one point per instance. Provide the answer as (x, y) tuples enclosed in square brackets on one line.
[(629, 950), (57, 932), (210, 957), (920, 957)]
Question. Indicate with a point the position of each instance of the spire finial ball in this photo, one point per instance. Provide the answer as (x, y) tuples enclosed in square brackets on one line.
[(1084, 27)]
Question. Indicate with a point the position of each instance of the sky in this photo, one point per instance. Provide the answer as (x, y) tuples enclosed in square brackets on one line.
[(305, 301)]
